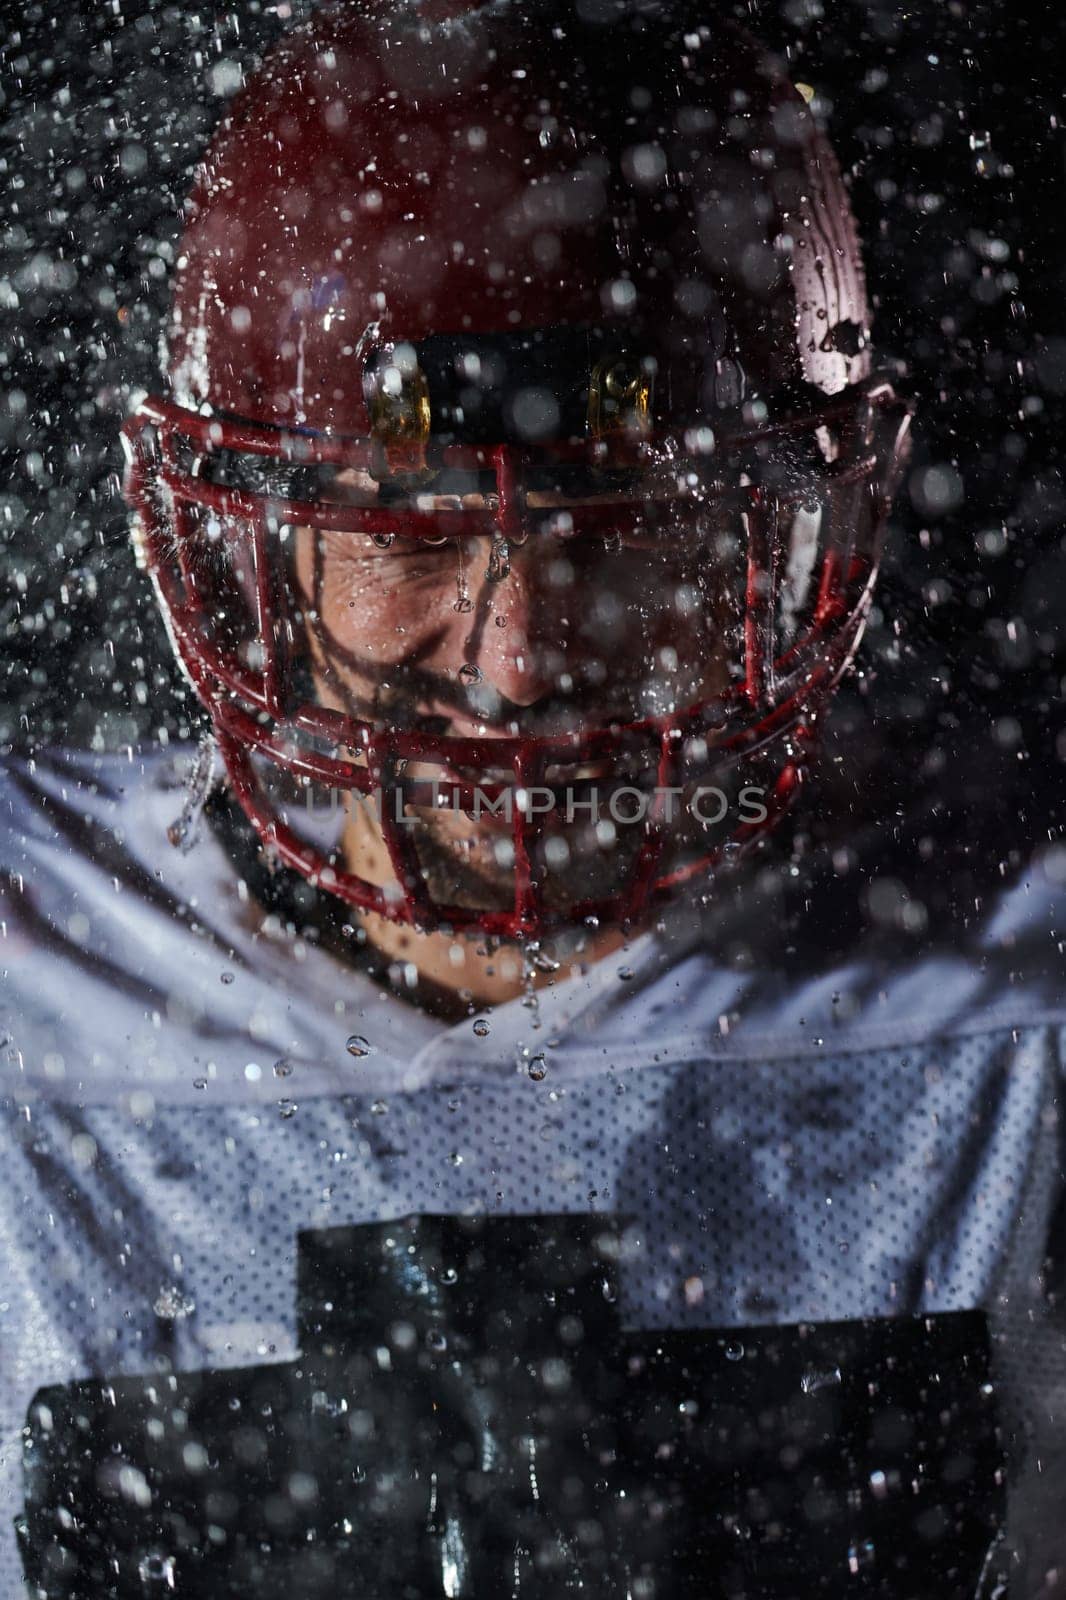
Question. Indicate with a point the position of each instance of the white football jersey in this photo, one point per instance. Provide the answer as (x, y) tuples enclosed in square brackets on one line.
[(188, 1084)]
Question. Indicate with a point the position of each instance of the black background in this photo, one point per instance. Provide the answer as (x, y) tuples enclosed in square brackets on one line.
[(948, 747)]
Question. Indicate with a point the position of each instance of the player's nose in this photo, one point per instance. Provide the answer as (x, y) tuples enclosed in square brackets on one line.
[(524, 637)]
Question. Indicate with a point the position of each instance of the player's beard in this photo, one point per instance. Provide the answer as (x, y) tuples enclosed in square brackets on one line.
[(460, 861)]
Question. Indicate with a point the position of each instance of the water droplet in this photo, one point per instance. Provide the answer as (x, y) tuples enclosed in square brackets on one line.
[(357, 1045), (481, 1027), (734, 1351), (449, 1276), (538, 1068), (158, 1571), (499, 566), (861, 1555), (812, 1380), (625, 973), (436, 1340), (468, 673), (379, 1108), (382, 540), (282, 1068), (227, 977), (456, 1158), (501, 622), (199, 1083), (287, 1108), (171, 1304)]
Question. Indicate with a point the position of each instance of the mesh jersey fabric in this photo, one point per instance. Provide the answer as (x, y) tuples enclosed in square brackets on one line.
[(876, 1139)]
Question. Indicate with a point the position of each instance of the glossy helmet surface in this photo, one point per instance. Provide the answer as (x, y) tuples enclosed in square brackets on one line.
[(595, 260)]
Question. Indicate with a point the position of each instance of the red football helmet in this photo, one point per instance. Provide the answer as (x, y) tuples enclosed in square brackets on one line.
[(582, 274)]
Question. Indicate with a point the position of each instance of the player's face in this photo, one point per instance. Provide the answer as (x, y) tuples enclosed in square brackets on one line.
[(556, 635)]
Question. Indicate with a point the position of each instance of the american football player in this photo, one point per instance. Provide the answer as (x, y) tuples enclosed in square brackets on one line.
[(428, 1174)]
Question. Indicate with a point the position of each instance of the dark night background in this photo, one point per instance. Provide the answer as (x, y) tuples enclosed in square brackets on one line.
[(948, 116)]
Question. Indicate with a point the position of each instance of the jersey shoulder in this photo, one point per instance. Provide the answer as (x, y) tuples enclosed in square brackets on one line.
[(735, 986), (72, 821), (128, 962)]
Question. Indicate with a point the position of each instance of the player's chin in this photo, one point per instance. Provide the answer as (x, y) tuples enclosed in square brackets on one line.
[(571, 867)]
